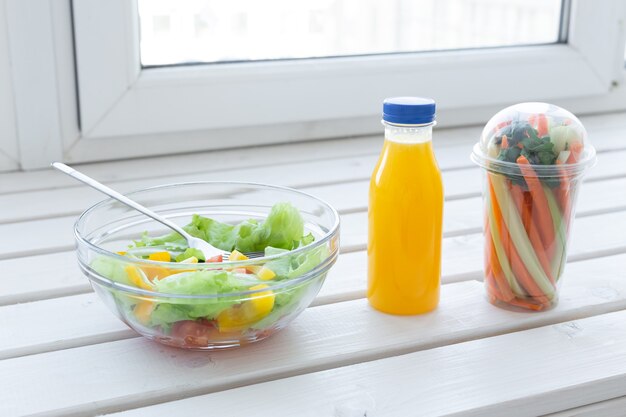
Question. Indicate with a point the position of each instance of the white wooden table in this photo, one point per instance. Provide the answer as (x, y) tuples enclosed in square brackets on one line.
[(62, 352)]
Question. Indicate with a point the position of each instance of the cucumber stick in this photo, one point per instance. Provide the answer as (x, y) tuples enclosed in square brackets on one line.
[(519, 237), (501, 254), (558, 260)]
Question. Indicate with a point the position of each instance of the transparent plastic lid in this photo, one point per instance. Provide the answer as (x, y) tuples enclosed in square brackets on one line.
[(548, 137)]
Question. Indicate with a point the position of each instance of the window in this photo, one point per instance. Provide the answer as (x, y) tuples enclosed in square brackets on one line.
[(145, 77), (205, 31)]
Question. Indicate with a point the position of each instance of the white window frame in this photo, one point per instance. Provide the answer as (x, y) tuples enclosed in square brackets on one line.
[(9, 155), (126, 111)]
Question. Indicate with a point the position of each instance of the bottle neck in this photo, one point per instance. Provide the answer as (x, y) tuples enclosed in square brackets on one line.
[(409, 134)]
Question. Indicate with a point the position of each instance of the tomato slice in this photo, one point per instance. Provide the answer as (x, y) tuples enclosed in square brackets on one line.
[(218, 258), (194, 333), (201, 333)]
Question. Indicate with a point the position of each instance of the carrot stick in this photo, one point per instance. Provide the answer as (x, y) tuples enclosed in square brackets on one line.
[(518, 198), (523, 275), (505, 142), (560, 233), (527, 213), (563, 196), (519, 270), (492, 287), (495, 296), (540, 123), (540, 203), (576, 149), (503, 267), (496, 270), (527, 304)]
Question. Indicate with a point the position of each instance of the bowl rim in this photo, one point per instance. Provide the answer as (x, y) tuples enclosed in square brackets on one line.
[(325, 264)]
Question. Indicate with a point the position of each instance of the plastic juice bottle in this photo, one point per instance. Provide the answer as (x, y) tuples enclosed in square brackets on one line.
[(405, 212)]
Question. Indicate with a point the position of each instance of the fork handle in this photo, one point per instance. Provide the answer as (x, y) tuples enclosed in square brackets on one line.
[(119, 197)]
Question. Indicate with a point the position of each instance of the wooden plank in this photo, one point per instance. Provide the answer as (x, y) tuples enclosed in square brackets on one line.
[(610, 408), (605, 121), (346, 197), (57, 324), (52, 275), (39, 277), (526, 373), (322, 337)]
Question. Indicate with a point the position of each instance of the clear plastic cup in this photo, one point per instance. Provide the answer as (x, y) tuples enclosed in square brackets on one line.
[(534, 156)]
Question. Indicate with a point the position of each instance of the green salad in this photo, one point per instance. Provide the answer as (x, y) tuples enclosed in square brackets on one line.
[(196, 320)]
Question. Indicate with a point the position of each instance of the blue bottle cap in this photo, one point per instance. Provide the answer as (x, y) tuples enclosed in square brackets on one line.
[(409, 110)]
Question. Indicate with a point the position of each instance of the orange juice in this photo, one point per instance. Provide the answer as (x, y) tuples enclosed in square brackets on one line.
[(405, 220)]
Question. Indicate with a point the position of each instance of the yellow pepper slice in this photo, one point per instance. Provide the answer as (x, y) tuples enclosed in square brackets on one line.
[(156, 272), (237, 256), (263, 301), (160, 256), (137, 277), (143, 310), (250, 311), (262, 272), (266, 274)]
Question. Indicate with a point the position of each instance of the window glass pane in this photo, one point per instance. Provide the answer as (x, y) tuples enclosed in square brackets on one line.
[(197, 31)]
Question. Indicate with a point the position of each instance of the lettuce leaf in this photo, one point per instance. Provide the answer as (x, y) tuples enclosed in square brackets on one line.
[(188, 253), (203, 282), (111, 268), (296, 265), (283, 228)]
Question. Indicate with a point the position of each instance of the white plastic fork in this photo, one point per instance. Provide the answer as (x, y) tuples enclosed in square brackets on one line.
[(203, 246)]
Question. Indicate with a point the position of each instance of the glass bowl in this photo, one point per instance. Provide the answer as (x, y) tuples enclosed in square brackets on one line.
[(205, 319)]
